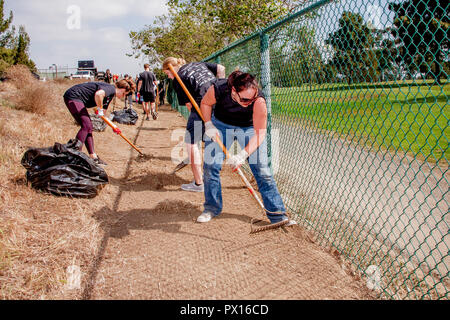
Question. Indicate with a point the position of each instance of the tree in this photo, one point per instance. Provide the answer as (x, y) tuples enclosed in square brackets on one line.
[(421, 28), (6, 34), (194, 29), (179, 34), (296, 57), (13, 48), (354, 46), (23, 41)]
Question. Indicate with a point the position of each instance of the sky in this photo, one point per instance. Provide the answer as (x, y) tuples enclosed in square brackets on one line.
[(65, 31)]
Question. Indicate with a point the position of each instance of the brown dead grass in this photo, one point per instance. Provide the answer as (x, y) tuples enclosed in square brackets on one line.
[(39, 241), (24, 92)]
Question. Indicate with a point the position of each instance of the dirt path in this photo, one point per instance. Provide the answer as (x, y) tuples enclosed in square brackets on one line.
[(152, 247)]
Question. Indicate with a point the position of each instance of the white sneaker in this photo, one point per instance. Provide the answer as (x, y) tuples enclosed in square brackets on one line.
[(205, 217), (290, 222), (192, 187)]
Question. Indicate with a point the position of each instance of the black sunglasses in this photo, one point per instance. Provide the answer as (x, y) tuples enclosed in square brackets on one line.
[(245, 100)]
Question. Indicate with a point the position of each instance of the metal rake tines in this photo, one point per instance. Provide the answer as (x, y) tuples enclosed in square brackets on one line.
[(267, 227), (181, 165)]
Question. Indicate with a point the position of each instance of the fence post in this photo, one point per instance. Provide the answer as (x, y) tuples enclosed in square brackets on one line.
[(266, 88)]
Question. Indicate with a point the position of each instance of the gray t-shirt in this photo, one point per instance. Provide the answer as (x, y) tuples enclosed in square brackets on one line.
[(147, 78)]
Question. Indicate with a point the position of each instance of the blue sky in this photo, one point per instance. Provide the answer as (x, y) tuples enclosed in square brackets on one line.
[(65, 31)]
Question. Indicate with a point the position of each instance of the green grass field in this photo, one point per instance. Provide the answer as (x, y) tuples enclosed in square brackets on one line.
[(409, 117)]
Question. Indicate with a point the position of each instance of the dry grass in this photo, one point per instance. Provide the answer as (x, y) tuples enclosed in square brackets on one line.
[(39, 241), (19, 75), (24, 92)]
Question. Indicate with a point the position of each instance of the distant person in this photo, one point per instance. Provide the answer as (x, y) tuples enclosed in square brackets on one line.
[(162, 92), (129, 96), (136, 80), (88, 95), (197, 77), (108, 76), (146, 87)]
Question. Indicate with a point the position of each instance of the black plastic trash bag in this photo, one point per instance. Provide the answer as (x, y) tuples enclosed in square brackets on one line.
[(125, 116), (64, 171), (98, 124)]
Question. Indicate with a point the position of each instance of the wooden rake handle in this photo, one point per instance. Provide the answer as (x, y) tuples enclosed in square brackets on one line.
[(217, 140), (114, 127)]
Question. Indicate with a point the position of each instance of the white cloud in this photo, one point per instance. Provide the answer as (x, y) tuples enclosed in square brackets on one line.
[(102, 33), (113, 34)]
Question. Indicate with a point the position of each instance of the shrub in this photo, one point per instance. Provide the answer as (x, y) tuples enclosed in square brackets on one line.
[(35, 97), (19, 75)]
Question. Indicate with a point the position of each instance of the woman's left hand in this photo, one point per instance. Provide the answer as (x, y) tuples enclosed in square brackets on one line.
[(237, 160), (99, 112)]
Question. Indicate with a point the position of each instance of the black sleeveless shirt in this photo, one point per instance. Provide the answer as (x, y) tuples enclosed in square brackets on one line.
[(229, 111)]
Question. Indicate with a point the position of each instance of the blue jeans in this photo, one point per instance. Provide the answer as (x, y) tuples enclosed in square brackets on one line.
[(258, 161)]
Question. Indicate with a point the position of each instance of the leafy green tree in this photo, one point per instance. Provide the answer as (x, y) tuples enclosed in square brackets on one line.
[(13, 47), (23, 43), (179, 34), (234, 19), (6, 34), (296, 57), (421, 28), (354, 46), (194, 29)]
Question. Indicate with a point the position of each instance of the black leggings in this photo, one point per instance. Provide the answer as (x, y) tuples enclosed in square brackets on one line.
[(81, 115)]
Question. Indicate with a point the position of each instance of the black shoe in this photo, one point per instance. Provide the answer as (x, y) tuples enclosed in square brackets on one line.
[(100, 161), (147, 118)]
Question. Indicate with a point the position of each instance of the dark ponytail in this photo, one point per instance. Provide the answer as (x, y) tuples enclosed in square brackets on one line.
[(241, 80)]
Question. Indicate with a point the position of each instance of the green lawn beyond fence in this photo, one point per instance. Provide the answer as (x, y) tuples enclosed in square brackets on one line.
[(397, 116)]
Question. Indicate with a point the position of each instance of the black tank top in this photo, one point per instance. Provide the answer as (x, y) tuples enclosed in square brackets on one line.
[(229, 111)]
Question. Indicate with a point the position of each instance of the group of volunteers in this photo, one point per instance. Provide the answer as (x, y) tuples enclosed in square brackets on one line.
[(233, 109)]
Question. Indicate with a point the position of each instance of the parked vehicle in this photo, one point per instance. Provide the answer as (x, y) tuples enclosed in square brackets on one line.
[(87, 65), (83, 74), (100, 76)]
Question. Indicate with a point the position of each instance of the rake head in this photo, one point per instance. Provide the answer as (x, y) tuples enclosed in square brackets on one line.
[(181, 165), (254, 229), (143, 157)]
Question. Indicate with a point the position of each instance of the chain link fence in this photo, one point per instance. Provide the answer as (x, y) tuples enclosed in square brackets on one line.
[(357, 93), (56, 73)]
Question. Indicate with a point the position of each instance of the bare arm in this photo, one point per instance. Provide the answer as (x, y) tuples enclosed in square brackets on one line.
[(220, 71), (99, 96), (259, 124), (209, 99)]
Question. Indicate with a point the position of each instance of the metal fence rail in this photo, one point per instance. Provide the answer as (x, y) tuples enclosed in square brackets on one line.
[(357, 93), (56, 72)]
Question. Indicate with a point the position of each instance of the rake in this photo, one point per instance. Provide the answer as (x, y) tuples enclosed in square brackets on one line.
[(239, 171), (119, 132), (181, 165)]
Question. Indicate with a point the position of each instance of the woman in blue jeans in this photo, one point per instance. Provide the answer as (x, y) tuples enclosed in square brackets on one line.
[(240, 113)]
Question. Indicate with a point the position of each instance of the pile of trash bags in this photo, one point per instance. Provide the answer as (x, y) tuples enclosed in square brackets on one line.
[(64, 171), (125, 116)]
